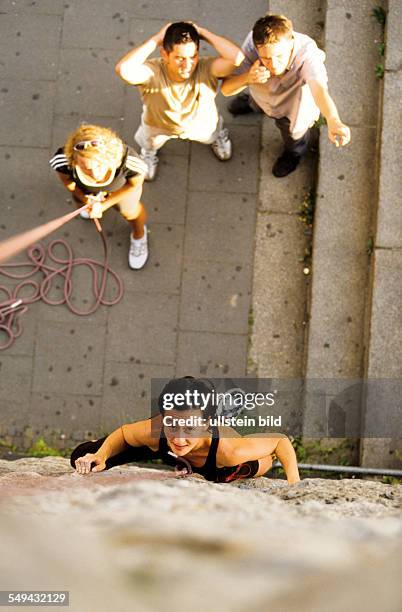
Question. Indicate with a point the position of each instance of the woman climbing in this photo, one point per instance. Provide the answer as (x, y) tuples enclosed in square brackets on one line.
[(184, 435)]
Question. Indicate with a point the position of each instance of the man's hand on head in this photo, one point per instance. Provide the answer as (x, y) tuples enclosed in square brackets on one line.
[(338, 132), (201, 31), (159, 36), (258, 74)]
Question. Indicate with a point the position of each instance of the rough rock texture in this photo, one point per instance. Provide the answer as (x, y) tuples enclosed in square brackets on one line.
[(142, 537)]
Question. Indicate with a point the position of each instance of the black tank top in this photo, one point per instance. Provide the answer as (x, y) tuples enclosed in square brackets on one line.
[(209, 470)]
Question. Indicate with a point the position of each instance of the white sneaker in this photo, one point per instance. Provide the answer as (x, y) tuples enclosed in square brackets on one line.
[(84, 214), (222, 146), (138, 253), (151, 159)]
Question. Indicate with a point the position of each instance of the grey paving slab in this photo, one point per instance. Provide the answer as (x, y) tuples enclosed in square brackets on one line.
[(23, 194), (25, 343), (217, 16), (165, 199), (38, 31), (163, 268), (127, 392), (386, 331), (131, 112), (51, 7), (15, 388), (310, 22), (215, 297), (154, 10), (345, 193), (25, 108), (67, 413), (345, 202), (393, 59), (350, 27), (211, 354), (67, 358), (279, 285), (88, 81), (335, 338), (176, 10), (176, 146), (142, 29), (29, 62), (62, 315), (103, 31), (283, 195), (143, 327), (119, 8), (389, 219), (220, 227), (340, 265), (238, 175), (252, 119)]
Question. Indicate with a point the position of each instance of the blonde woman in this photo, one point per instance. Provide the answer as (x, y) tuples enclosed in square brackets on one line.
[(100, 170)]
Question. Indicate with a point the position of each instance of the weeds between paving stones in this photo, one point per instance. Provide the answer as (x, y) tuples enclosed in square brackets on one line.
[(380, 16), (307, 208), (306, 216)]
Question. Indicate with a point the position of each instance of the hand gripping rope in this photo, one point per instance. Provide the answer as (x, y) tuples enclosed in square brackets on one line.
[(15, 304)]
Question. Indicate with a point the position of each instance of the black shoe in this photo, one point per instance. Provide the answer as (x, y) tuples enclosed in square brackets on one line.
[(285, 164), (240, 105)]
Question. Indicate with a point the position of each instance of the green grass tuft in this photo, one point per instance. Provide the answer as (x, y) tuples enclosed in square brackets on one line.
[(380, 15), (41, 449)]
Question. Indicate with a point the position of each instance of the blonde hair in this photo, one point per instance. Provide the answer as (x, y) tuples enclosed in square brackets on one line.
[(111, 148)]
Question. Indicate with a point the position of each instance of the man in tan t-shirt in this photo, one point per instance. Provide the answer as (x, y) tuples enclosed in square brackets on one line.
[(178, 90)]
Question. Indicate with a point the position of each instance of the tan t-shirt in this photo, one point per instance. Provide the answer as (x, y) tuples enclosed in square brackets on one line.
[(179, 107)]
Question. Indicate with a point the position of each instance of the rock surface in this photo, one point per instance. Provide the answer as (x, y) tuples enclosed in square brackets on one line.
[(142, 537)]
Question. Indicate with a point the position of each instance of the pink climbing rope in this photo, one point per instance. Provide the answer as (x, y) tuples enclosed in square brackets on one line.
[(14, 301)]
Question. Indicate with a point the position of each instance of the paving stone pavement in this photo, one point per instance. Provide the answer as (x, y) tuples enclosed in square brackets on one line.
[(187, 311)]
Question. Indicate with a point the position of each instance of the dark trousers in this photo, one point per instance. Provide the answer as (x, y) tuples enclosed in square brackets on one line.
[(297, 147), (139, 453)]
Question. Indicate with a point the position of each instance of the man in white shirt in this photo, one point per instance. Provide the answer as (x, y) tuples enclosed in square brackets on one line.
[(287, 79)]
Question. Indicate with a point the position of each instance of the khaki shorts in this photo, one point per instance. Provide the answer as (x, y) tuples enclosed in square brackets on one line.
[(153, 138), (129, 206)]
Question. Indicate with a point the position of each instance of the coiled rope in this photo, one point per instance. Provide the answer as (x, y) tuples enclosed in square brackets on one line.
[(13, 302)]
